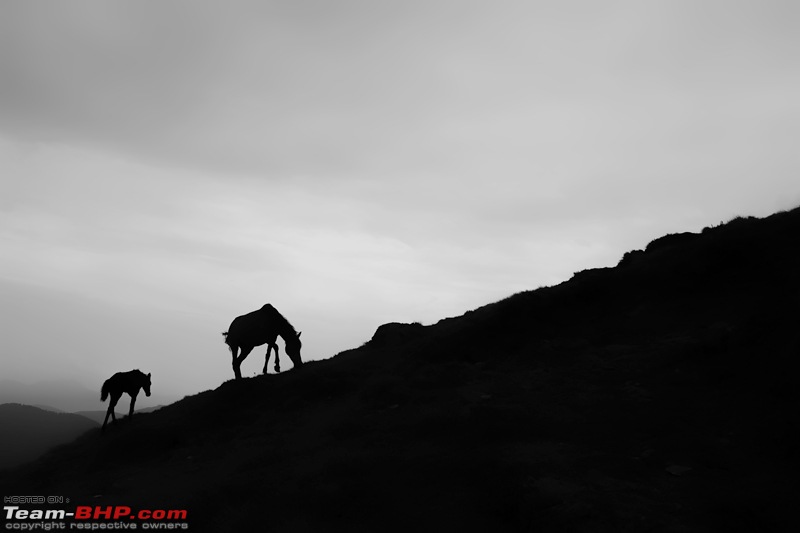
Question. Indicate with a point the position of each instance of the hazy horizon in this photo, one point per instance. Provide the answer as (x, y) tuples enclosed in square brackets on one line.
[(165, 167)]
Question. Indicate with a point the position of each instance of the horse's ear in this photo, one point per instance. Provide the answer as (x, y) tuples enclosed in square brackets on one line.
[(148, 374), (298, 335)]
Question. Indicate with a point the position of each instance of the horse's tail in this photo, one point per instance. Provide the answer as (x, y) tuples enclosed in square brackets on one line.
[(104, 391)]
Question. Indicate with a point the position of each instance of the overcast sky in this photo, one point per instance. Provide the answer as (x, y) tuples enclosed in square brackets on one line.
[(168, 165)]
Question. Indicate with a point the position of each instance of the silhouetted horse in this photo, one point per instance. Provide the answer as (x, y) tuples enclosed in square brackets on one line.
[(261, 327), (120, 382)]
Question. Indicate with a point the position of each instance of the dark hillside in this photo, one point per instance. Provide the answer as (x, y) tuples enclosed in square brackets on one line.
[(657, 395), (29, 431)]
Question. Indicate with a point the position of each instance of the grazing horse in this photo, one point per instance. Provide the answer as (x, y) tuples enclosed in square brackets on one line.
[(120, 382), (262, 327)]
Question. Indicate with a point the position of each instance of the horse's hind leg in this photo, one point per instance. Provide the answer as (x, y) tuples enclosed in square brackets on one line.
[(234, 352), (237, 361)]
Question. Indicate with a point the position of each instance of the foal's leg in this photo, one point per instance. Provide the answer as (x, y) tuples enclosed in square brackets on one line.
[(112, 403), (133, 402), (277, 359), (237, 361), (109, 412)]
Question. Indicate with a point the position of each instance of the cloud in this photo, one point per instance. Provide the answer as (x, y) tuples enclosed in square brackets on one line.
[(359, 162), (373, 91)]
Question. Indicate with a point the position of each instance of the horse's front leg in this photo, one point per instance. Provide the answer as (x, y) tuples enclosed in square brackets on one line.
[(269, 352)]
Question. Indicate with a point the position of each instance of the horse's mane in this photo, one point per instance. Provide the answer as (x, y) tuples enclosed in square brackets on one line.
[(269, 308)]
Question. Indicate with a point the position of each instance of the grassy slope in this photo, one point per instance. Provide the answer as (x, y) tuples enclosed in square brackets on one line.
[(657, 395)]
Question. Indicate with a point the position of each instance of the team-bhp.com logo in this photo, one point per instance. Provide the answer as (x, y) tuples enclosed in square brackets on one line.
[(94, 517)]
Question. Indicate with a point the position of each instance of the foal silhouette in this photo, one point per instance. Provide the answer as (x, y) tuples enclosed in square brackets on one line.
[(120, 382), (262, 327)]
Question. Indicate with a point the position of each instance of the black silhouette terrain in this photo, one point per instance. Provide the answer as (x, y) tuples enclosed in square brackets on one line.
[(28, 432), (657, 395)]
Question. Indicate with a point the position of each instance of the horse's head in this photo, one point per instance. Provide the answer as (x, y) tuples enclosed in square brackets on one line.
[(293, 346), (146, 384)]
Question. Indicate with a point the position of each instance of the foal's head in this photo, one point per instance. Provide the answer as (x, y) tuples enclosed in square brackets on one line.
[(146, 383)]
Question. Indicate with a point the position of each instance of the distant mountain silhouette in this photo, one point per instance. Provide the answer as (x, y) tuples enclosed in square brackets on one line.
[(29, 431), (63, 396), (656, 395), (67, 395)]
